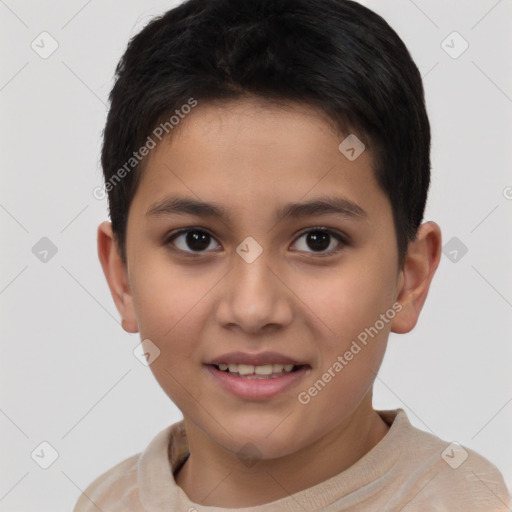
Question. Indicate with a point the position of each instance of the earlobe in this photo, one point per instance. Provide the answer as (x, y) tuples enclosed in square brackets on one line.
[(421, 262), (117, 277)]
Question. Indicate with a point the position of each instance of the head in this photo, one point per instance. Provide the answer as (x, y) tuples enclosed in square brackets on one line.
[(227, 117)]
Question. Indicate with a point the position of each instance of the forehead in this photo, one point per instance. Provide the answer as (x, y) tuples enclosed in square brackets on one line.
[(251, 154)]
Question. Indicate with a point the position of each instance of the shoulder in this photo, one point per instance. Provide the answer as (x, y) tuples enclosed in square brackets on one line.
[(449, 476), (116, 488), (465, 480), (125, 487)]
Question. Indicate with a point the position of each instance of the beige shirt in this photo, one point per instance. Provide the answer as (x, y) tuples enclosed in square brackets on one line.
[(408, 470)]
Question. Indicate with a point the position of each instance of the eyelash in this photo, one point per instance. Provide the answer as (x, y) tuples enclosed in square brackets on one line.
[(343, 240)]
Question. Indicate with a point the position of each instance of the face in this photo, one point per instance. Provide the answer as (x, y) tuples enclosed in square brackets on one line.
[(251, 276)]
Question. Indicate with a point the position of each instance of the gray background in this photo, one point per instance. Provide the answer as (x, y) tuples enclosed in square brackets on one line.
[(68, 374)]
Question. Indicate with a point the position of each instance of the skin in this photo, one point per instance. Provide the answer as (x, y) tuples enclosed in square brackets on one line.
[(253, 157)]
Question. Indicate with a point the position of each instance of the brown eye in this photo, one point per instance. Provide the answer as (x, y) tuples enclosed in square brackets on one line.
[(191, 240), (318, 240), (322, 241)]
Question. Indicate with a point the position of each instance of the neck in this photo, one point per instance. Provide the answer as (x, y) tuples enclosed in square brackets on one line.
[(213, 476)]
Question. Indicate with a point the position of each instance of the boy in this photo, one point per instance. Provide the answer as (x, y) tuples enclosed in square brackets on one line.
[(240, 135)]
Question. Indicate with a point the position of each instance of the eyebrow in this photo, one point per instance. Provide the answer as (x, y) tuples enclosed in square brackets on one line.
[(320, 206)]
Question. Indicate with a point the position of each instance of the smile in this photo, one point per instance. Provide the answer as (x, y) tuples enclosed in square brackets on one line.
[(249, 371), (260, 382)]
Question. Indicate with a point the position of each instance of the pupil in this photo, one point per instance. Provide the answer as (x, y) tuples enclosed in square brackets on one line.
[(319, 238), (198, 240)]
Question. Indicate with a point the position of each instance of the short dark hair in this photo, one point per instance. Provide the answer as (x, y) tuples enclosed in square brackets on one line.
[(336, 55)]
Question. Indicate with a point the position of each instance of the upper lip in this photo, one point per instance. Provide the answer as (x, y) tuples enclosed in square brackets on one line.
[(256, 359)]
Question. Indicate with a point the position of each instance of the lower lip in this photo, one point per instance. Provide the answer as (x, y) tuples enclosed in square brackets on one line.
[(257, 389)]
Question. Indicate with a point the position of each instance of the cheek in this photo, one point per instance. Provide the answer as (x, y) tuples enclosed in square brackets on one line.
[(348, 300), (350, 303), (167, 302), (170, 304), (171, 307), (351, 306)]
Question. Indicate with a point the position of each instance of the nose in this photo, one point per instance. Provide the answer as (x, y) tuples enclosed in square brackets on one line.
[(253, 297)]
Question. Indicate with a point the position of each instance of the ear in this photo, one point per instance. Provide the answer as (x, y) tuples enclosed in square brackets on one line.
[(421, 262), (116, 273)]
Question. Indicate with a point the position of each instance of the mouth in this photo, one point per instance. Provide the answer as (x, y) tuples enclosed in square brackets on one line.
[(260, 372), (256, 376)]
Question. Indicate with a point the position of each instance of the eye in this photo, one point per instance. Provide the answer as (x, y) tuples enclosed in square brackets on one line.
[(320, 239), (191, 240)]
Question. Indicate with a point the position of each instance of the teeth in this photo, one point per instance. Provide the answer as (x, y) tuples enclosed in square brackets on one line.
[(265, 369), (244, 369), (249, 369)]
